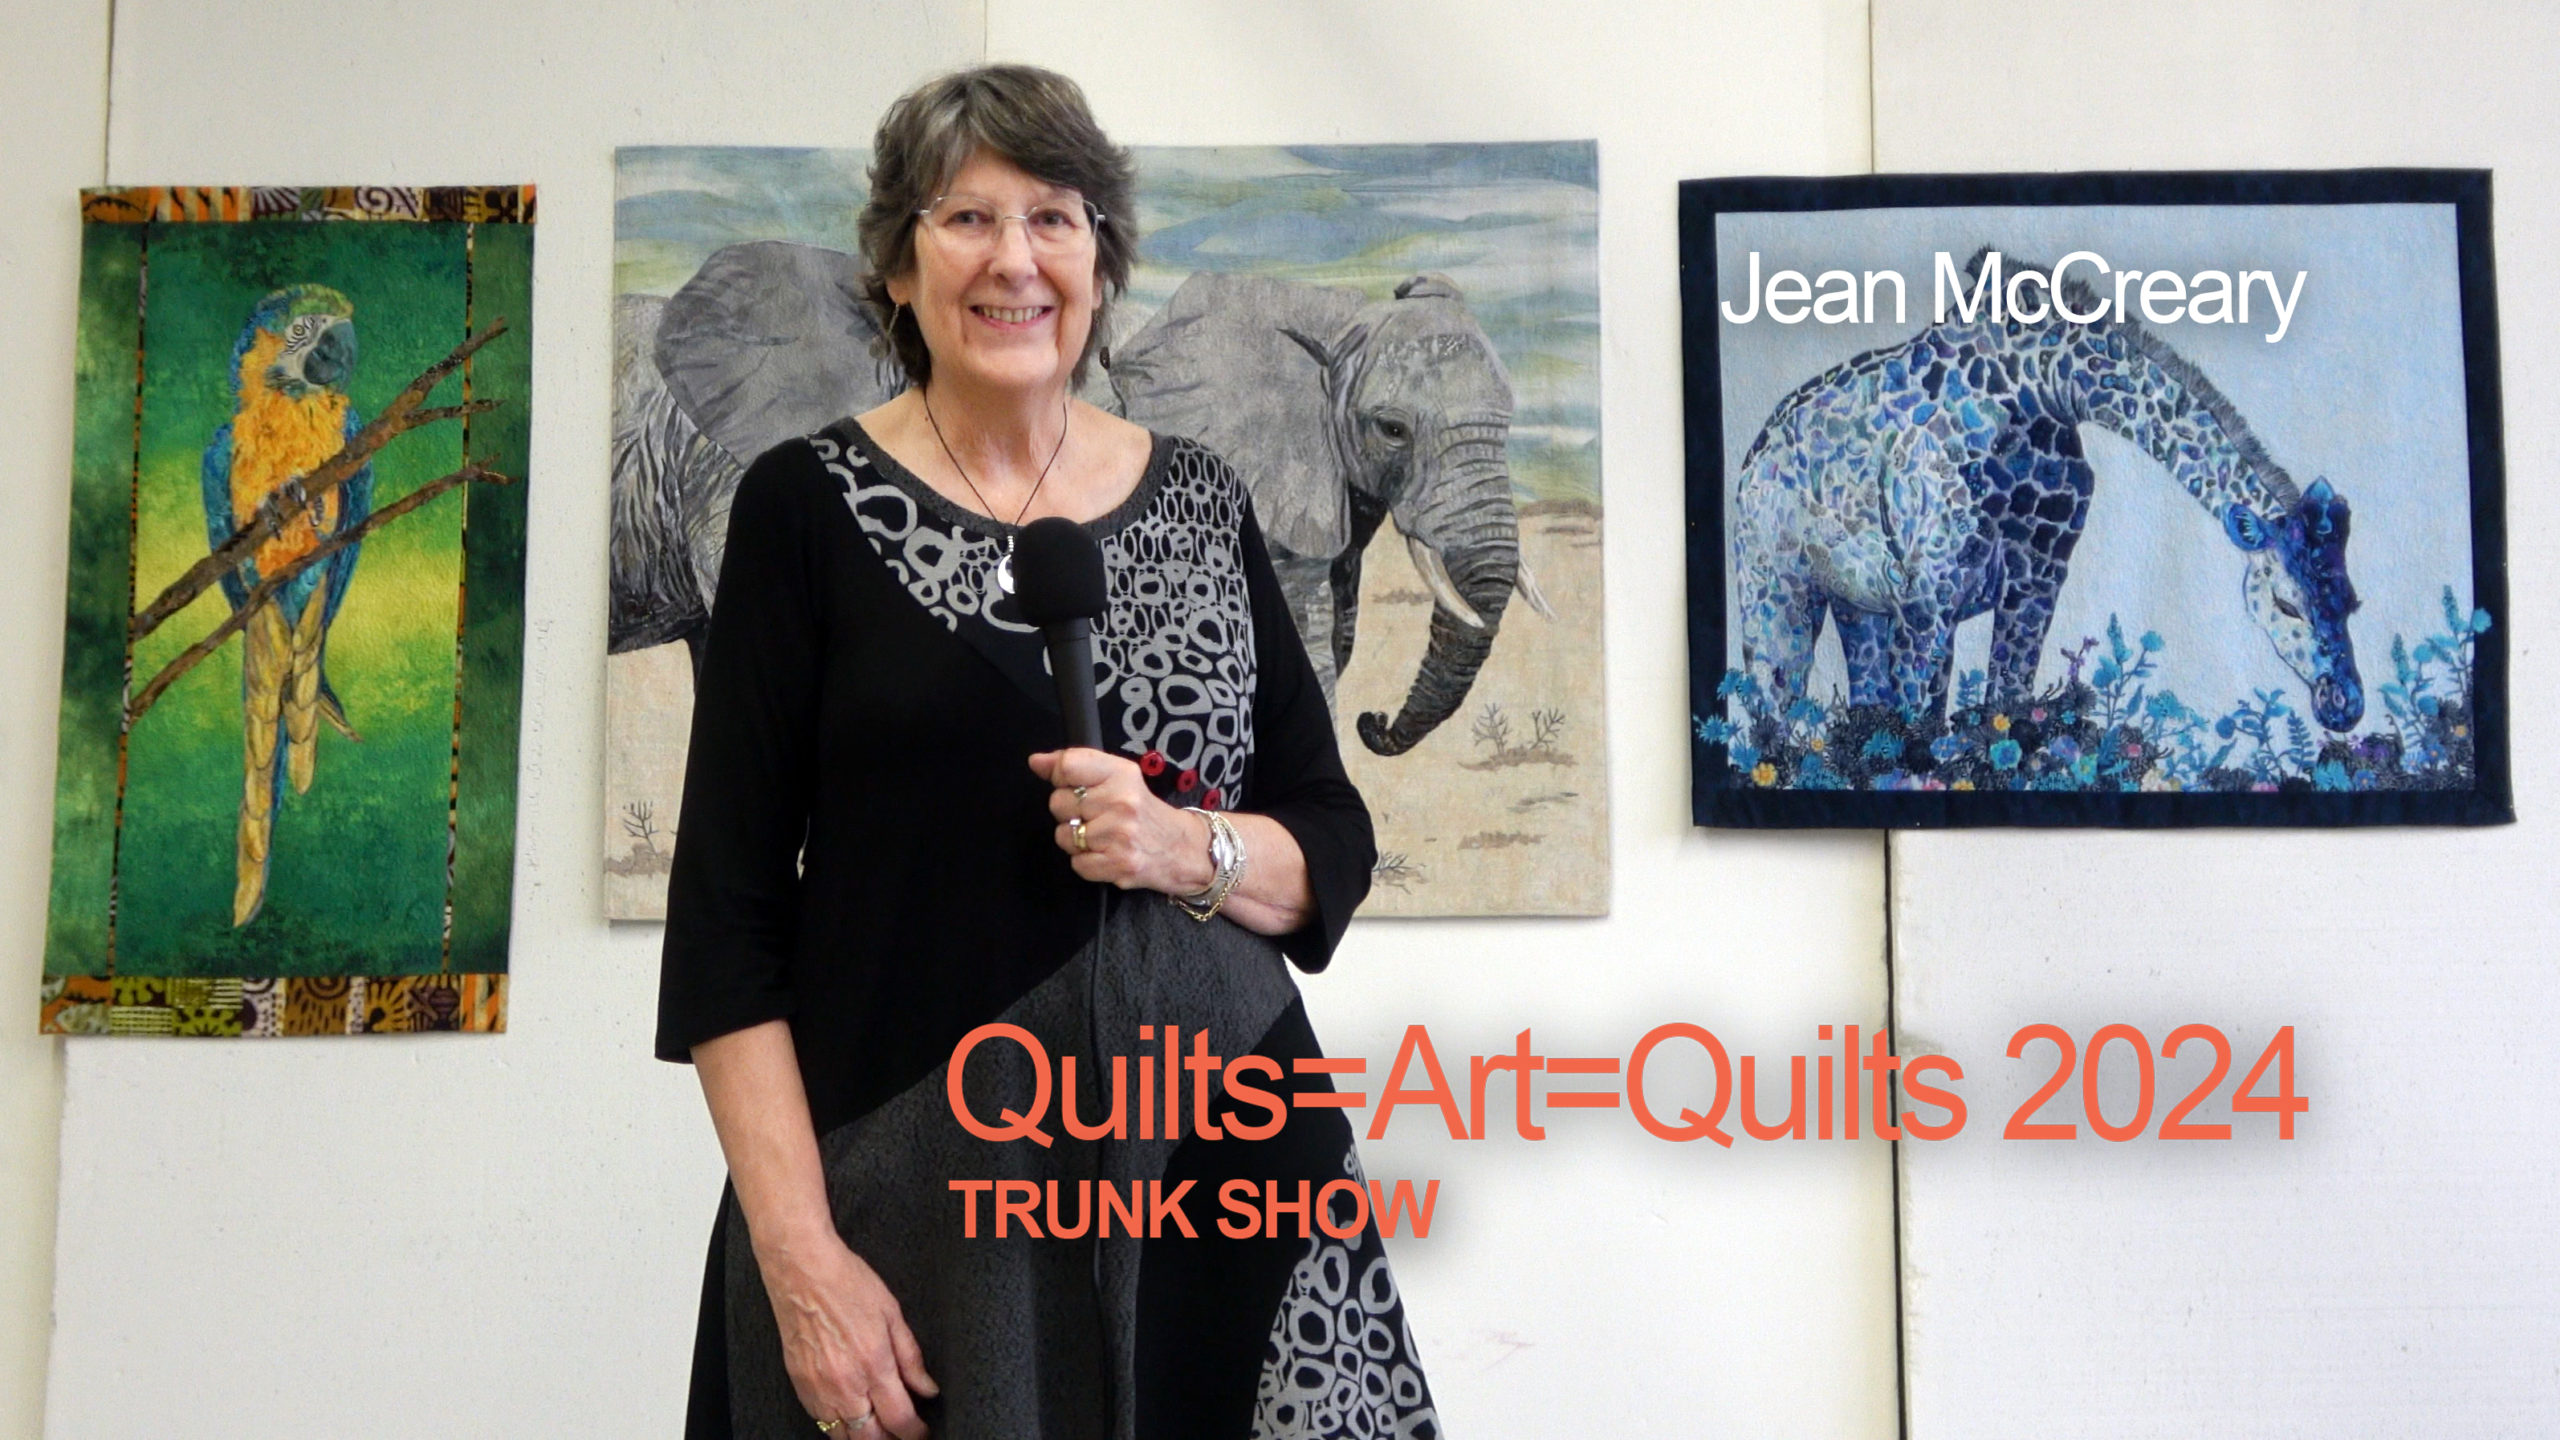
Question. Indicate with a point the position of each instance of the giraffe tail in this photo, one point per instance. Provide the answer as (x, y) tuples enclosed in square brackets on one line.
[(302, 695), (265, 664)]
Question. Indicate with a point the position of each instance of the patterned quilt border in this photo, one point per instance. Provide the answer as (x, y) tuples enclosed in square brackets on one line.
[(166, 204), (233, 1006)]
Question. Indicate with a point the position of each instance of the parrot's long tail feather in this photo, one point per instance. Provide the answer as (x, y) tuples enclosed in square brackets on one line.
[(334, 711), (302, 694), (266, 657)]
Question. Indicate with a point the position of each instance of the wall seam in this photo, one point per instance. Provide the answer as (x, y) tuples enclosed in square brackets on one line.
[(1893, 1033), (107, 116), (1892, 1018), (1872, 167), (60, 1057)]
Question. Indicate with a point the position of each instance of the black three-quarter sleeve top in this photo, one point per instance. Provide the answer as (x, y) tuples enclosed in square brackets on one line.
[(864, 850)]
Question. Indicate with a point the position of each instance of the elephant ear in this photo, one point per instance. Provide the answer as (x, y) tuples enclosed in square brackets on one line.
[(1227, 362), (770, 340)]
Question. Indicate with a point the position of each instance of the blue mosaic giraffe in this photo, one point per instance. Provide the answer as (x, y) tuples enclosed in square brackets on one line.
[(1922, 484)]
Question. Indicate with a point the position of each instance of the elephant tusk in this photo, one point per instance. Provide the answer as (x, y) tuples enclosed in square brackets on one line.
[(1528, 587), (1443, 589)]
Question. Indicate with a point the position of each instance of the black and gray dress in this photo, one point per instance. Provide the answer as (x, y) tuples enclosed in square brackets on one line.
[(865, 854)]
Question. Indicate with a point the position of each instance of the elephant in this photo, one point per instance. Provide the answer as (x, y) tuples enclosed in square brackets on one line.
[(1337, 412), (768, 340), (1340, 412)]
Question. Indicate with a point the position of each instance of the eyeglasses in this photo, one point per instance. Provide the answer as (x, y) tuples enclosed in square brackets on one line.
[(973, 222)]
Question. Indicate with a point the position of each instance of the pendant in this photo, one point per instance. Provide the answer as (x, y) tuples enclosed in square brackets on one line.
[(1004, 568)]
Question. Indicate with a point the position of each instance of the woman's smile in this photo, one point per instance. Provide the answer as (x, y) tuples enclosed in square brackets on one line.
[(1013, 317)]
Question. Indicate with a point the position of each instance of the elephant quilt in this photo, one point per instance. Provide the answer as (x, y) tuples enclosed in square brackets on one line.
[(285, 802), (2113, 499), (1397, 348)]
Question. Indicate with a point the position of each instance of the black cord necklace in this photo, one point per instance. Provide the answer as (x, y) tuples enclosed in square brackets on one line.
[(1004, 567)]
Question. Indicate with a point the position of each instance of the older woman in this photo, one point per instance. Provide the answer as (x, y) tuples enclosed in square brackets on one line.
[(884, 848)]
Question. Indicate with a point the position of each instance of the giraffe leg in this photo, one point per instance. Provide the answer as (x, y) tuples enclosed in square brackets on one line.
[(1866, 642), (2018, 627), (266, 654), (1932, 520), (1778, 603), (302, 693), (2036, 566), (1779, 629), (1922, 659)]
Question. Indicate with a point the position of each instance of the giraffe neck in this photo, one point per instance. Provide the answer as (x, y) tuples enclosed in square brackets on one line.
[(2137, 387)]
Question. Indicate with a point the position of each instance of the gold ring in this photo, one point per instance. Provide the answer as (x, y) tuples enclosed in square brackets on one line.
[(828, 1427), (1075, 826)]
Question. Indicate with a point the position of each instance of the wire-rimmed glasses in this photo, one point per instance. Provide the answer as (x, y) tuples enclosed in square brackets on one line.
[(973, 222)]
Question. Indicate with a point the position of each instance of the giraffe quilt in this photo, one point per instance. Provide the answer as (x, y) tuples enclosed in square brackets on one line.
[(2112, 499), (292, 658)]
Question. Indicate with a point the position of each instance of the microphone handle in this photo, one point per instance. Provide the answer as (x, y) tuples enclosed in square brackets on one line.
[(1071, 664)]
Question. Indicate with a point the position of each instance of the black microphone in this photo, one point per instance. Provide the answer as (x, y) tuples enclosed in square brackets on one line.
[(1058, 585)]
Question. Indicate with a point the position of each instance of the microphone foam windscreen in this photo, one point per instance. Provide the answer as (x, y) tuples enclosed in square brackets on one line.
[(1057, 572)]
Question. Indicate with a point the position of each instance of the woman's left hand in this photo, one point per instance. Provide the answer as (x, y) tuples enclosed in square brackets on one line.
[(1115, 828)]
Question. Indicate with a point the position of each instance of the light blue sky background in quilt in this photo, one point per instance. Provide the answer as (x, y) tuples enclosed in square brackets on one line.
[(2365, 389), (1515, 225)]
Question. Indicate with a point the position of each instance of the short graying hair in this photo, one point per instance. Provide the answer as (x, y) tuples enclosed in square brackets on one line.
[(1033, 118)]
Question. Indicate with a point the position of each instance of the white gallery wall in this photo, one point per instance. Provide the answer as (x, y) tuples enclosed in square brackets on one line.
[(2391, 1270), (431, 1236), (54, 68)]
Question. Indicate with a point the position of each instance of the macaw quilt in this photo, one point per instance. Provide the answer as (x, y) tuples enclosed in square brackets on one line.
[(1397, 347), (2156, 499), (293, 641)]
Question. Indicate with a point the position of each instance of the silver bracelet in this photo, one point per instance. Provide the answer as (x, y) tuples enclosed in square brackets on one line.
[(1226, 851)]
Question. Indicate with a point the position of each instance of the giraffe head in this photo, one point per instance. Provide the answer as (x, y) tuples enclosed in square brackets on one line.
[(2298, 591)]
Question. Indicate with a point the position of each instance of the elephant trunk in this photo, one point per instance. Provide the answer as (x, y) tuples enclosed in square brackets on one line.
[(1472, 539)]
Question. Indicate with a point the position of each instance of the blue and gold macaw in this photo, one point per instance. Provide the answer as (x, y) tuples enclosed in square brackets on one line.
[(290, 413)]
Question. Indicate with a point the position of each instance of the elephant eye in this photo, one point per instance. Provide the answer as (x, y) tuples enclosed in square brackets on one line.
[(1396, 431), (2287, 608)]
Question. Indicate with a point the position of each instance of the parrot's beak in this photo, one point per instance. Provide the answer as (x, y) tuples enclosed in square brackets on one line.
[(332, 357), (326, 362)]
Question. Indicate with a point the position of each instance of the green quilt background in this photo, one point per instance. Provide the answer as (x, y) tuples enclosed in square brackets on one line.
[(357, 884)]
